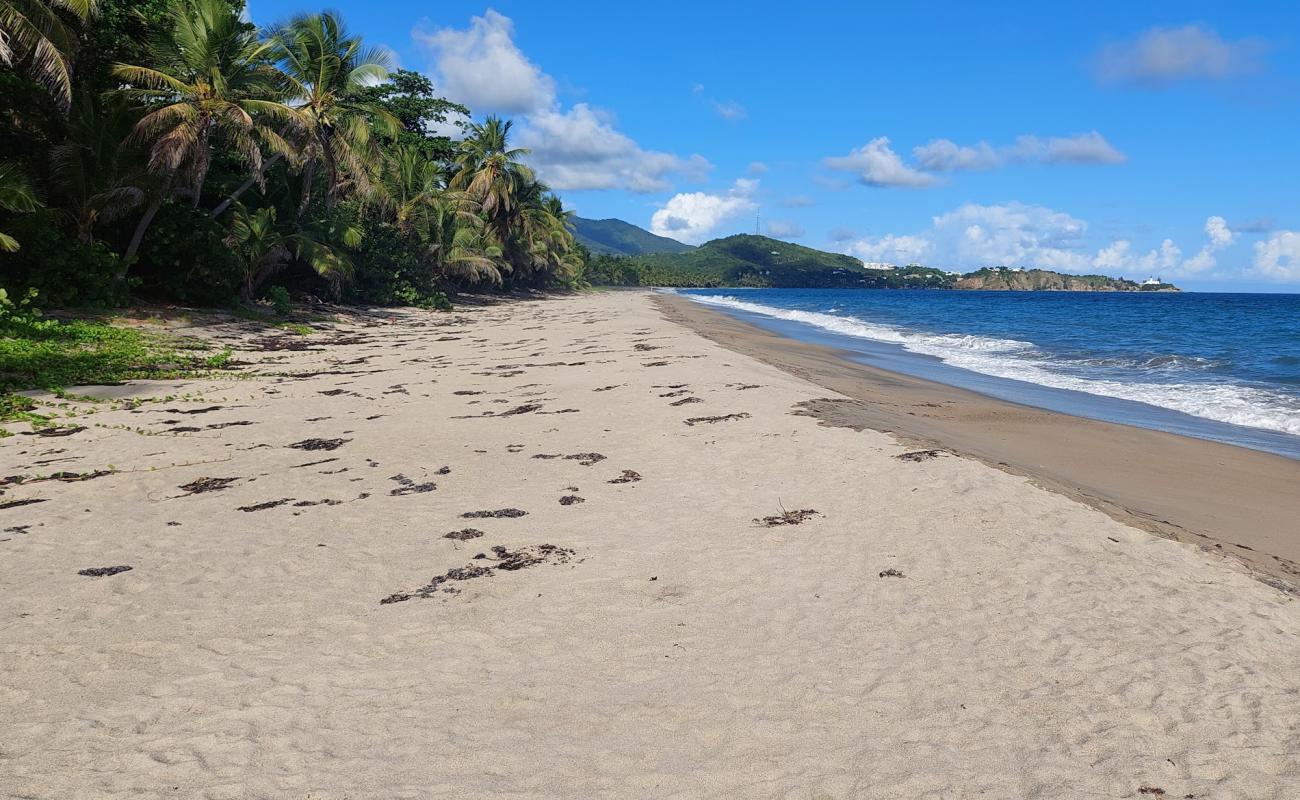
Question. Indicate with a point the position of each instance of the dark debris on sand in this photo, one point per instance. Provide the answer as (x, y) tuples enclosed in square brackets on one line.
[(319, 444), (407, 486), (497, 514), (508, 560), (686, 401), (710, 420), (206, 485), (892, 573), (266, 505), (919, 455), (464, 534), (628, 476), (571, 499), (27, 501), (103, 572), (585, 459), (788, 517)]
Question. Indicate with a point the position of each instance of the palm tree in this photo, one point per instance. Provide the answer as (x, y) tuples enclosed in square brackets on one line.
[(16, 195), (488, 170), (408, 188), (325, 67), (98, 179), (265, 246), (210, 75), (34, 34)]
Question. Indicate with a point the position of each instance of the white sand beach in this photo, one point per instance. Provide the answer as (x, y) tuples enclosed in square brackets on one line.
[(937, 628)]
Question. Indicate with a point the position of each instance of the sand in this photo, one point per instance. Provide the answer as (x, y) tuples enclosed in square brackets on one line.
[(938, 628)]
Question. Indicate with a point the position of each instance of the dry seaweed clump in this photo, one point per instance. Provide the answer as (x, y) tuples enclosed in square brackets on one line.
[(319, 444), (464, 534), (103, 572), (507, 560), (710, 420), (919, 455), (500, 512), (202, 485), (788, 517)]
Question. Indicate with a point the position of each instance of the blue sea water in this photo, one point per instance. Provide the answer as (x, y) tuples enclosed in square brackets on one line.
[(1217, 366)]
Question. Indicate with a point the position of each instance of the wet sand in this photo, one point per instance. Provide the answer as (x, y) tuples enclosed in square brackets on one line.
[(1242, 502)]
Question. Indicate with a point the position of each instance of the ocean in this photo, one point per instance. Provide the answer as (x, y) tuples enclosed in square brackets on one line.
[(1224, 367)]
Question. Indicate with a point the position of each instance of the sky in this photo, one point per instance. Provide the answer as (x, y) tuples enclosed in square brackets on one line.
[(1130, 139)]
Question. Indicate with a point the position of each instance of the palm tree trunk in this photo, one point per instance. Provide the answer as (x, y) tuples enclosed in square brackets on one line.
[(245, 186), (308, 176), (136, 238)]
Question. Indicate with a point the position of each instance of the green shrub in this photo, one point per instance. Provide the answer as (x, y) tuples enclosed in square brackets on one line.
[(390, 270), (184, 257), (280, 302), (65, 270)]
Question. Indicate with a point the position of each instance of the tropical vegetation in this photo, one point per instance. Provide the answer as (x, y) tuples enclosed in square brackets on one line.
[(170, 150)]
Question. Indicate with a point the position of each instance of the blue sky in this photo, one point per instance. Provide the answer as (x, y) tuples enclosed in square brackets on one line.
[(1131, 139)]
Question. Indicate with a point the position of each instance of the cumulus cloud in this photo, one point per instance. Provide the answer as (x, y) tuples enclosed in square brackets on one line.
[(944, 155), (876, 164), (889, 249), (1161, 56), (572, 149), (581, 149), (842, 234), (783, 229), (1277, 258), (692, 217), (798, 201), (1016, 234), (484, 69), (756, 168)]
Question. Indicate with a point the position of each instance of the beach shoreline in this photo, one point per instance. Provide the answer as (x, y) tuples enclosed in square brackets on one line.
[(567, 547), (1240, 502)]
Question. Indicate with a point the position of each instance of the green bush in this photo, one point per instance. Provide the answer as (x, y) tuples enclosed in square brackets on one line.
[(390, 270), (184, 257), (65, 270), (280, 302)]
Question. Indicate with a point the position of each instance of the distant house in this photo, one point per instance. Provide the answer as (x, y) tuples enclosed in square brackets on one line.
[(1152, 282), (878, 265)]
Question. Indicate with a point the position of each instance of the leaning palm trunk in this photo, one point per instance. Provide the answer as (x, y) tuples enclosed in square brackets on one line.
[(245, 186), (141, 227)]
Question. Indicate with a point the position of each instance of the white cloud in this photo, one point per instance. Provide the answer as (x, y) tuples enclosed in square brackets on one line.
[(482, 68), (888, 249), (798, 201), (1278, 257), (1020, 235), (692, 216), (944, 155), (876, 164), (756, 168), (574, 149), (730, 110), (783, 229), (1161, 56), (581, 149)]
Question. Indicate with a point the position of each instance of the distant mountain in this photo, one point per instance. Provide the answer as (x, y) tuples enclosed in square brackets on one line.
[(746, 260), (618, 238)]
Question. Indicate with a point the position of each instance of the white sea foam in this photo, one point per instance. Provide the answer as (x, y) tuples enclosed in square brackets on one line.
[(1235, 404)]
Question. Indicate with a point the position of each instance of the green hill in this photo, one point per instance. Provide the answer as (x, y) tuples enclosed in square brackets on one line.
[(618, 238), (746, 260)]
